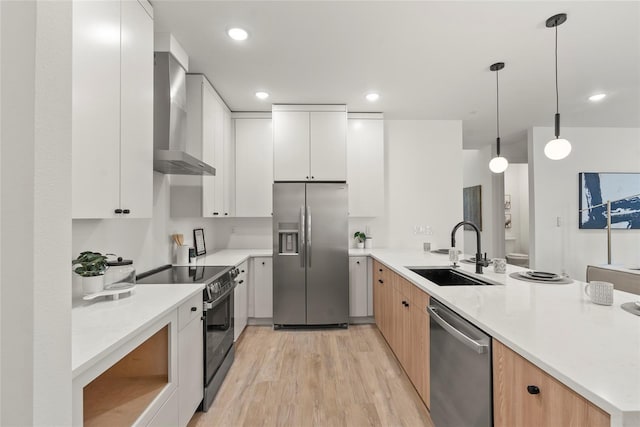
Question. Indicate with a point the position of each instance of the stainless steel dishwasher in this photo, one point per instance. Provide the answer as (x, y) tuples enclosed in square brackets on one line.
[(461, 393)]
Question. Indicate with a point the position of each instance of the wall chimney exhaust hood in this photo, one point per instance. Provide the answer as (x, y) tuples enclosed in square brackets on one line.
[(170, 154)]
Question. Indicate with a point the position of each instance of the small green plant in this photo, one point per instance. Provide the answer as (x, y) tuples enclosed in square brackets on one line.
[(91, 264), (360, 236)]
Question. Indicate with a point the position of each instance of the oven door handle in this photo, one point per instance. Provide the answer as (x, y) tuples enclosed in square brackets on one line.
[(208, 305), (457, 334)]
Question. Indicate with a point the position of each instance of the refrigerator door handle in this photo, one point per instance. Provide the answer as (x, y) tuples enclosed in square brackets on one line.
[(301, 237), (309, 234)]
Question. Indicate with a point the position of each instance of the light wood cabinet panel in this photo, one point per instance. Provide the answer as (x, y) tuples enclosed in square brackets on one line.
[(419, 345), (382, 298), (553, 405), (254, 168), (328, 145)]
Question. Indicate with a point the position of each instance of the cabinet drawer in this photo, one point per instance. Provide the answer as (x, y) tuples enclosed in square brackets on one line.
[(402, 285), (167, 415), (189, 310)]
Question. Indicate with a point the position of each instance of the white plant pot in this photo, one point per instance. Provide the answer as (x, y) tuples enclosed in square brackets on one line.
[(92, 284), (360, 245)]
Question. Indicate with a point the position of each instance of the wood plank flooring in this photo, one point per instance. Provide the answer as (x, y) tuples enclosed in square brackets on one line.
[(314, 378)]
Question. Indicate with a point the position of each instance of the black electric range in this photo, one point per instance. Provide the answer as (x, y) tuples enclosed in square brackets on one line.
[(217, 314)]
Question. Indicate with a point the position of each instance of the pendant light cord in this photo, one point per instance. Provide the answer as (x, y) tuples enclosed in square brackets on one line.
[(557, 96), (497, 106)]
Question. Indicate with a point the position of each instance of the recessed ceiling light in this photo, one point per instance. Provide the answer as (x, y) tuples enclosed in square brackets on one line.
[(597, 97), (262, 95), (238, 34), (372, 97)]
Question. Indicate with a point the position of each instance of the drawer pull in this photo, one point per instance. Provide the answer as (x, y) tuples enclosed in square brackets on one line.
[(194, 308), (533, 389), (380, 270), (240, 282), (380, 280)]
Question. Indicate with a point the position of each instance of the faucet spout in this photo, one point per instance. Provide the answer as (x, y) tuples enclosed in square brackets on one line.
[(479, 262)]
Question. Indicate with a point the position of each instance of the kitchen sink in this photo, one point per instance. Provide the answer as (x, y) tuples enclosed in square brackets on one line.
[(447, 276)]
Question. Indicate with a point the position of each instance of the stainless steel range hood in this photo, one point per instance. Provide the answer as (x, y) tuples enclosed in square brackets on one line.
[(171, 154)]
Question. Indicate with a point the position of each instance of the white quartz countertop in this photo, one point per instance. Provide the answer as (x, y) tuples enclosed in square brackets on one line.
[(593, 349), (98, 327)]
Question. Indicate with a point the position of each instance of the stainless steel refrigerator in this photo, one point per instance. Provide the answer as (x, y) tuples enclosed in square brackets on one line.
[(310, 254)]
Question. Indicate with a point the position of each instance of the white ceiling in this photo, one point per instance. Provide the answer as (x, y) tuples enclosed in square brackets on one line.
[(428, 60)]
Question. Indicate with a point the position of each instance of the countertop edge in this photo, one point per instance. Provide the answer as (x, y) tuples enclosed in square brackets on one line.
[(87, 364)]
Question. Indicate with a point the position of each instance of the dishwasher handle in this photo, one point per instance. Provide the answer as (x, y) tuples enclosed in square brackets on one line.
[(469, 342)]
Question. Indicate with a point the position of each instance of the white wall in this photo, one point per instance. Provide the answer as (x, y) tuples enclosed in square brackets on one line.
[(423, 186), (476, 172), (554, 194), (146, 241), (36, 215), (516, 179)]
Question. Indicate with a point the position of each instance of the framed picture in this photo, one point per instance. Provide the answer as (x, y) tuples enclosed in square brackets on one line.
[(507, 220), (472, 206), (198, 241), (621, 189), (507, 202)]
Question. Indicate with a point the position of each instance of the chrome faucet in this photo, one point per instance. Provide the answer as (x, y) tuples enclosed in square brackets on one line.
[(479, 262)]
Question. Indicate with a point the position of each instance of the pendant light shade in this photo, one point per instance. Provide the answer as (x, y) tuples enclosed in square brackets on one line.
[(557, 148), (498, 164)]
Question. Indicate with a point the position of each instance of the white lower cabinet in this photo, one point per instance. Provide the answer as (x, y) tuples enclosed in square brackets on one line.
[(358, 291), (167, 415), (241, 301), (190, 360), (262, 281)]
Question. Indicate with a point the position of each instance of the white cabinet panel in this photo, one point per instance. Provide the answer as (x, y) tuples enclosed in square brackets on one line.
[(167, 415), (190, 368), (96, 109), (136, 140), (262, 276), (358, 286), (211, 132), (240, 306), (328, 155), (365, 171), (228, 177), (112, 109), (369, 286), (291, 145), (254, 168)]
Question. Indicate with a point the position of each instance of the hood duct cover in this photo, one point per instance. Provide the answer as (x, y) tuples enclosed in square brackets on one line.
[(170, 155)]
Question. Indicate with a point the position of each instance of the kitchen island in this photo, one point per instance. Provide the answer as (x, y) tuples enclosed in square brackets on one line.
[(594, 350)]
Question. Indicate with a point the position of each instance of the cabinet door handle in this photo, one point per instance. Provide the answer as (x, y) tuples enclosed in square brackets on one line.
[(313, 177), (380, 280), (240, 282), (358, 262), (242, 271), (380, 270), (194, 308), (226, 213), (533, 389), (215, 213), (118, 211), (307, 177), (126, 211), (262, 262)]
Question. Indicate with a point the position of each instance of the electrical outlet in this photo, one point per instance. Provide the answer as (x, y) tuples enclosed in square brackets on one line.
[(558, 221)]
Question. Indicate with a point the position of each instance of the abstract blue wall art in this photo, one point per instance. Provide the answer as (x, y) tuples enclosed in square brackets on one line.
[(622, 189)]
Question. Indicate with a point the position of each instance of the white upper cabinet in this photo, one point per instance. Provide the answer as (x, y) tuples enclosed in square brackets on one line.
[(309, 142), (112, 109), (365, 158), (328, 153), (291, 145), (209, 134), (254, 170), (136, 143)]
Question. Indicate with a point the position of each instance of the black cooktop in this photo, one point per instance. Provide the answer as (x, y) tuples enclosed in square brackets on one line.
[(182, 274)]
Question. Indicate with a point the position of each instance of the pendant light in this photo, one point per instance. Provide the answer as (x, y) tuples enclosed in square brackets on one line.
[(557, 148), (498, 164)]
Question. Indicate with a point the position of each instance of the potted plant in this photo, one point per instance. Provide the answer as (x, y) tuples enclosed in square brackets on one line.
[(92, 268), (360, 237)]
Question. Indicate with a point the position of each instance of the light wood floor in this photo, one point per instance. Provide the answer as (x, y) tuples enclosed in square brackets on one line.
[(322, 378)]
